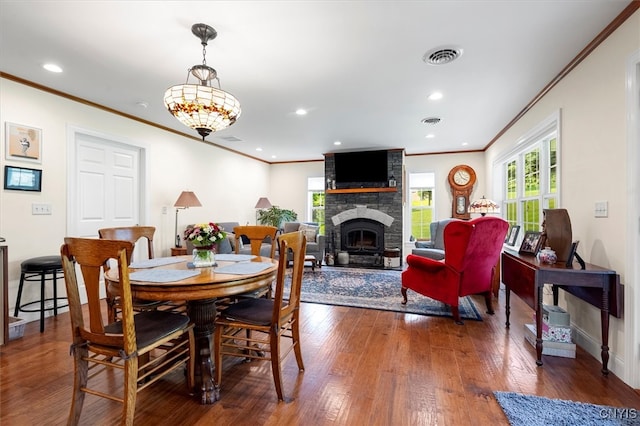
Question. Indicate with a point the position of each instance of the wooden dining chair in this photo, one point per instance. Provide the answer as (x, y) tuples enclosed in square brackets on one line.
[(143, 347), (257, 235), (138, 236), (266, 321)]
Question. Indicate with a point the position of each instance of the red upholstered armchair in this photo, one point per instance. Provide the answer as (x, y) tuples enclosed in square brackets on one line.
[(472, 249)]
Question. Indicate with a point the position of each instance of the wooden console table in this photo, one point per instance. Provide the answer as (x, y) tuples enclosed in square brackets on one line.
[(526, 276)]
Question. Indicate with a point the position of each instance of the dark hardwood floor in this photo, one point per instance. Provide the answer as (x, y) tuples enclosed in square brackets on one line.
[(363, 367)]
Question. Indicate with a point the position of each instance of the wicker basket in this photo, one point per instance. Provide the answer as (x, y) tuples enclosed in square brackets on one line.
[(16, 327)]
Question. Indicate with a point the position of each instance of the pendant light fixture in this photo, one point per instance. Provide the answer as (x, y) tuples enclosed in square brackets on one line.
[(200, 106)]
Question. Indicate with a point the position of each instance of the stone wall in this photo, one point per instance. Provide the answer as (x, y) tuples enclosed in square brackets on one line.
[(387, 202)]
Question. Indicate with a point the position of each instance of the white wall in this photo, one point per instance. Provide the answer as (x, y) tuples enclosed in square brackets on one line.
[(228, 185), (593, 168), (441, 164), (288, 185)]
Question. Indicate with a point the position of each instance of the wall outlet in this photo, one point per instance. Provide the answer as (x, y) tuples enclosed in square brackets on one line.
[(40, 208), (164, 209)]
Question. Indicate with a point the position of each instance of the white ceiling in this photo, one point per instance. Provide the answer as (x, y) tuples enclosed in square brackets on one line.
[(357, 66)]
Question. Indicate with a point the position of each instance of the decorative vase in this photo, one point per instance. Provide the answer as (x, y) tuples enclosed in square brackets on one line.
[(547, 255), (328, 259), (204, 256)]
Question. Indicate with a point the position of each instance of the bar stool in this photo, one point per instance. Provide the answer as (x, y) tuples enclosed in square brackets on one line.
[(42, 269)]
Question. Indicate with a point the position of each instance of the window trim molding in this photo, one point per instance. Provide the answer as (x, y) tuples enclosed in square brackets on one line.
[(552, 123)]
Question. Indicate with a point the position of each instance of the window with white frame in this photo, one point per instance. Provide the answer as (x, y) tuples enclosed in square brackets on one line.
[(421, 196), (530, 176), (315, 201)]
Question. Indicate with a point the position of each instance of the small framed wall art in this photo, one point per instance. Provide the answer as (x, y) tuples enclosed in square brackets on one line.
[(22, 179), (23, 143)]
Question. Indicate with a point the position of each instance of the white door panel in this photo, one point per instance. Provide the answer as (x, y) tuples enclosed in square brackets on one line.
[(104, 185), (108, 180)]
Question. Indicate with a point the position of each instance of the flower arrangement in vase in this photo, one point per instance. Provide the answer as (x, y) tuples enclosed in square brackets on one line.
[(204, 236)]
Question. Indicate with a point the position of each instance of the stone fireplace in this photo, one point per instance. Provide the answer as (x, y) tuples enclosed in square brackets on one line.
[(367, 220)]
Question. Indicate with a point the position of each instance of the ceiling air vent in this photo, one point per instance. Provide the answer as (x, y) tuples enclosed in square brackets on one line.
[(231, 138), (442, 56), (430, 120)]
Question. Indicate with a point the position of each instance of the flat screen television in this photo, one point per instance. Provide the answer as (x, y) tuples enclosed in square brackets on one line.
[(22, 179), (360, 167)]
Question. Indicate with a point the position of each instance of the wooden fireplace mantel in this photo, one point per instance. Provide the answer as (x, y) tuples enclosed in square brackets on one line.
[(357, 190)]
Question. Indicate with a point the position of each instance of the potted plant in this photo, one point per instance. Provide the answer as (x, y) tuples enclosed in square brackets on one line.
[(274, 216)]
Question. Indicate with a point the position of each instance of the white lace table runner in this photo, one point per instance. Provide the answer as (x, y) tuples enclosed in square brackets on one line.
[(232, 257), (152, 263), (162, 275), (243, 268)]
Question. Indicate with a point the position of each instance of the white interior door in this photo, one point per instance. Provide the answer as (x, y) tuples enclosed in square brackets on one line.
[(632, 272), (108, 185), (105, 184)]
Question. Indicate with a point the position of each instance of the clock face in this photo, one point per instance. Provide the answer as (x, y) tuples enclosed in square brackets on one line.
[(461, 177)]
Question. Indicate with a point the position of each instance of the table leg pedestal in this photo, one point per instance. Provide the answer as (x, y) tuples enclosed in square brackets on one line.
[(203, 313)]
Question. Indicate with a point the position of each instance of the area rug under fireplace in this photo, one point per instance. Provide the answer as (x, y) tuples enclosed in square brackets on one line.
[(373, 289)]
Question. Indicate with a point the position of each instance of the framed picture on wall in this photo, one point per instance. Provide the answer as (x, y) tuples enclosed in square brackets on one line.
[(531, 242), (22, 179), (23, 143)]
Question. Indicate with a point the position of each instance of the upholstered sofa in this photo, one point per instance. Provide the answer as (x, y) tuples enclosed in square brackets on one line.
[(315, 241), (433, 249)]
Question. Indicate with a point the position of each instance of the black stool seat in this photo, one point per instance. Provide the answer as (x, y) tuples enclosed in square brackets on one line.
[(42, 269), (42, 263)]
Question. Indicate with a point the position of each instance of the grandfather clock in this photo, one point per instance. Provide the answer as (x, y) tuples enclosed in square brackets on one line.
[(461, 179)]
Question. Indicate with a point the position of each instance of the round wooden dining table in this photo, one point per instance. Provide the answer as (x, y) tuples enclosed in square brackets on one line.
[(200, 292)]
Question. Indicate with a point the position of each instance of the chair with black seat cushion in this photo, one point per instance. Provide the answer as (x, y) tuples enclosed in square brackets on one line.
[(133, 234), (143, 347), (40, 269), (266, 321)]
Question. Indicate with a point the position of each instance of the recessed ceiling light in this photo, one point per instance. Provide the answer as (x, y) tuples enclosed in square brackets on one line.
[(430, 136), (301, 111), (465, 143), (435, 96), (258, 149), (52, 67), (273, 156), (337, 143), (142, 104)]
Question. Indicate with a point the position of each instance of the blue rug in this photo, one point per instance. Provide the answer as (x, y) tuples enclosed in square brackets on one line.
[(373, 289), (528, 410)]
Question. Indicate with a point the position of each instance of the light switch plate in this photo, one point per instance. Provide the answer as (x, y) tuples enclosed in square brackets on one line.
[(40, 208), (601, 209)]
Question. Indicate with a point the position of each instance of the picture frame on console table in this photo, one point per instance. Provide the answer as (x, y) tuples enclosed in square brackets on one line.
[(512, 235), (531, 243), (574, 253)]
